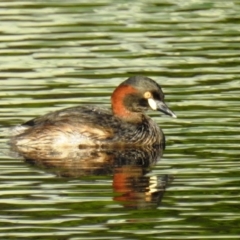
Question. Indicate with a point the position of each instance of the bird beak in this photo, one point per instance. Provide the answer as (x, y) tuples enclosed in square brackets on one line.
[(160, 106)]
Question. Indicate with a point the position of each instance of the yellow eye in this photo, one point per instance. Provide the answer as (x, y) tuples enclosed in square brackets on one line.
[(147, 95)]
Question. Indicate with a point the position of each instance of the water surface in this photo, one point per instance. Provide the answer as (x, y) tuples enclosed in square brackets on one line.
[(60, 54)]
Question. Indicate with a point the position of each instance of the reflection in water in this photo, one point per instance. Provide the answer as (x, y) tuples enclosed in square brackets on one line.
[(128, 166), (55, 54), (136, 190)]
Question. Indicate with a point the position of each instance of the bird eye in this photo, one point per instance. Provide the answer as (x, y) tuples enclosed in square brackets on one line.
[(147, 95)]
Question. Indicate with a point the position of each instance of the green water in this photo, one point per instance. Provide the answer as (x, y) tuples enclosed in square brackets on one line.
[(56, 54)]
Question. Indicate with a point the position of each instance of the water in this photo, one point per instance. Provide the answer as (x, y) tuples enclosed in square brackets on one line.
[(59, 54)]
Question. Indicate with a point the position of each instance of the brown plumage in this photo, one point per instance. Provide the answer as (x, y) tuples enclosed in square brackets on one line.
[(90, 126)]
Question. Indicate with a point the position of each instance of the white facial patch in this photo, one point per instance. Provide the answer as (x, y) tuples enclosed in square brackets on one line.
[(152, 103)]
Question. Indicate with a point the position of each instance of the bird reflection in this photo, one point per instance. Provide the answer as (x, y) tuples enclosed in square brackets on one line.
[(133, 184), (137, 190)]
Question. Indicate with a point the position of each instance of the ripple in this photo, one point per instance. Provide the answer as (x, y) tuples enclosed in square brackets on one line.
[(60, 54)]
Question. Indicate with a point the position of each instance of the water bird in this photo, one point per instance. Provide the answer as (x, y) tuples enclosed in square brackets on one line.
[(124, 125)]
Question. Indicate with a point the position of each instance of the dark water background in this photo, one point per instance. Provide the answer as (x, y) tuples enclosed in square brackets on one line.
[(56, 54)]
